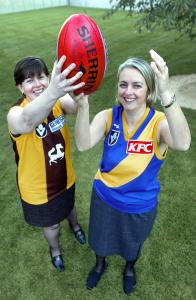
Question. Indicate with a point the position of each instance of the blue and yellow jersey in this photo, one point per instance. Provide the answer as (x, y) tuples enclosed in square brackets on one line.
[(127, 177), (44, 167)]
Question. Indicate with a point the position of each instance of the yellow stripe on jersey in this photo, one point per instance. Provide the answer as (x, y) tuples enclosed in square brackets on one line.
[(121, 175), (156, 147), (27, 178)]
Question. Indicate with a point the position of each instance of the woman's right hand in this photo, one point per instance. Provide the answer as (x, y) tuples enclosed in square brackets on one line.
[(81, 100), (60, 84)]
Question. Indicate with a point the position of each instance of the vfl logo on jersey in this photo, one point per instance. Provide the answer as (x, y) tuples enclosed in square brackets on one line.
[(41, 130), (139, 147), (55, 153), (113, 138), (57, 123)]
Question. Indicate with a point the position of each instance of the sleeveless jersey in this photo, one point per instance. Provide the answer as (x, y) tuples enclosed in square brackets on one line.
[(43, 158), (127, 177)]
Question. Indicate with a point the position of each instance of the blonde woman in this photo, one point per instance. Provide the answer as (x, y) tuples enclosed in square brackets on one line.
[(136, 138)]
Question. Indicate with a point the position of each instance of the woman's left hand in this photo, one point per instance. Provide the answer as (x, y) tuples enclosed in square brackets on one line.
[(161, 73)]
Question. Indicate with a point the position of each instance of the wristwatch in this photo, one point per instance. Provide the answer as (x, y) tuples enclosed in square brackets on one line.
[(173, 99)]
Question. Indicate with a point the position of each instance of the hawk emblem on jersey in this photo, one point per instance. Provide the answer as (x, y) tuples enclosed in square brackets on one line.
[(113, 138), (56, 153), (41, 130)]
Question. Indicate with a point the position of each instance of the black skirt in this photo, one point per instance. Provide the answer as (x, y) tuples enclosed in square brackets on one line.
[(113, 232), (52, 212)]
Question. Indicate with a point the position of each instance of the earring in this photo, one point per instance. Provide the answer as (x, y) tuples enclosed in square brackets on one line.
[(148, 100)]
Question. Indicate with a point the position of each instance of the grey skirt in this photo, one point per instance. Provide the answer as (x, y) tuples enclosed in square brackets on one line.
[(115, 233)]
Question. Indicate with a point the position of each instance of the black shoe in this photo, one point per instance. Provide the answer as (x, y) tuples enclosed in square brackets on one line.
[(129, 282), (80, 236), (94, 277), (57, 262)]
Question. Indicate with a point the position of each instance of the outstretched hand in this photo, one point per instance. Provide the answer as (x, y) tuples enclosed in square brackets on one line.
[(60, 84), (161, 73)]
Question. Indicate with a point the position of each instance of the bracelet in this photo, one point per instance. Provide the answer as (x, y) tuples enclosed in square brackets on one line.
[(173, 99)]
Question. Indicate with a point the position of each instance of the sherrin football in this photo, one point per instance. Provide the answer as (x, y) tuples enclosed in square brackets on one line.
[(81, 41)]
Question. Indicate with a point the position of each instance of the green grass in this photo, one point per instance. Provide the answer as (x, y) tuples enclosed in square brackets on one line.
[(166, 269)]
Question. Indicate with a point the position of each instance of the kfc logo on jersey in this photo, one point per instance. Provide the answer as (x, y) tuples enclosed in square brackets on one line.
[(113, 138), (139, 147)]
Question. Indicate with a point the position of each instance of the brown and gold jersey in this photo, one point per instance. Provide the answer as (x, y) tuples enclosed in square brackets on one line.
[(44, 167)]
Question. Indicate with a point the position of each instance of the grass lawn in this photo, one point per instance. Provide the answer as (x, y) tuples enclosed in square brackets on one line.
[(166, 269)]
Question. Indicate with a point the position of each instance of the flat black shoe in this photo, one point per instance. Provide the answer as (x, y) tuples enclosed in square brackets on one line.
[(94, 277), (57, 262), (129, 282), (80, 236)]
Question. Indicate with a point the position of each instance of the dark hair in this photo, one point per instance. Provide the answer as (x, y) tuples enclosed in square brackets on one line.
[(29, 67)]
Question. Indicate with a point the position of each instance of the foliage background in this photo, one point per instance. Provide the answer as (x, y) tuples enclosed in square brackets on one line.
[(179, 15), (166, 269)]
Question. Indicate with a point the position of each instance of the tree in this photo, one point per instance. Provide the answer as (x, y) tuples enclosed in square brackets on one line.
[(177, 15)]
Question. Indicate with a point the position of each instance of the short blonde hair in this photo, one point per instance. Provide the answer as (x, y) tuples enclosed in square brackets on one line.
[(146, 71)]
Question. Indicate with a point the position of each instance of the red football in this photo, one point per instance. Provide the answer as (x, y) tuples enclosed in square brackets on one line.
[(81, 41)]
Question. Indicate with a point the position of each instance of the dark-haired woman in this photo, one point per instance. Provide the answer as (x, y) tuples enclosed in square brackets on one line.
[(40, 135)]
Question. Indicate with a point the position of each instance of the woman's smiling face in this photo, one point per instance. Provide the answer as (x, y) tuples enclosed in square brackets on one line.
[(132, 89), (32, 87)]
